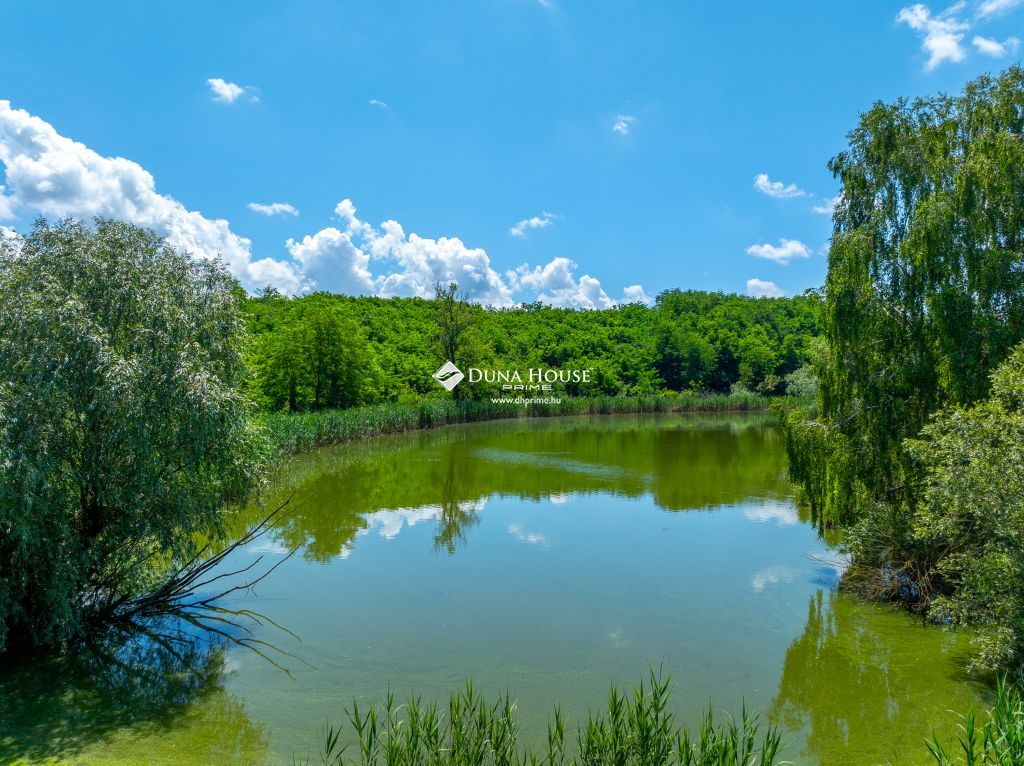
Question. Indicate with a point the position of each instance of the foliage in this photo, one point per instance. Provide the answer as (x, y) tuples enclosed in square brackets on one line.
[(456, 319), (315, 358), (802, 383), (924, 299), (924, 293), (998, 741), (123, 430), (972, 514), (689, 341), (637, 730)]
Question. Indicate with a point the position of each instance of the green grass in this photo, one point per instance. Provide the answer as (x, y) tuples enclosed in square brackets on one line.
[(997, 741), (304, 432), (637, 729)]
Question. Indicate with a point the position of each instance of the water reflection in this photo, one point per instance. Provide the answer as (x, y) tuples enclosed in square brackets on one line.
[(683, 463), (117, 693), (867, 685), (572, 568)]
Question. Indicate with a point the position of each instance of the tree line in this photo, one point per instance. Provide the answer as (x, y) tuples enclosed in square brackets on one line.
[(325, 351), (132, 377)]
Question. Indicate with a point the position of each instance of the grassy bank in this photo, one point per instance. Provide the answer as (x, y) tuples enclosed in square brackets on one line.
[(638, 729), (303, 432)]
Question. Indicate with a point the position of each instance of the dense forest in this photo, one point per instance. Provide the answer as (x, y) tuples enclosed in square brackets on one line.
[(328, 351), (916, 446)]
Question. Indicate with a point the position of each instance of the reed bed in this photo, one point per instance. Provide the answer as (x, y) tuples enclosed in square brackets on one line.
[(638, 729), (293, 433)]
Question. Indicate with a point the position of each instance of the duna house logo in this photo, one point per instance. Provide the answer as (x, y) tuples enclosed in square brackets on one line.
[(449, 376)]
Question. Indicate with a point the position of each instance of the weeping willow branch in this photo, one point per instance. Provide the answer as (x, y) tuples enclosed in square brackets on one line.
[(186, 596)]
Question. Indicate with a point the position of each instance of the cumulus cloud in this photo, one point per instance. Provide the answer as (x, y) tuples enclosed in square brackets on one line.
[(536, 222), (623, 124), (229, 92), (994, 48), (330, 261), (6, 206), (996, 7), (274, 208), (378, 103), (635, 294), (783, 253), (556, 284), (47, 173), (759, 288), (827, 206), (941, 35), (422, 261), (53, 175), (777, 189)]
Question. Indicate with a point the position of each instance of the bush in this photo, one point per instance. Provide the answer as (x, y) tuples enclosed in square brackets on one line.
[(972, 514), (122, 427)]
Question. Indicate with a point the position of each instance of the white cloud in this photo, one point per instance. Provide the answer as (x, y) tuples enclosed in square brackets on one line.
[(229, 92), (378, 102), (422, 261), (783, 253), (49, 174), (759, 288), (624, 123), (330, 261), (635, 294), (827, 206), (53, 175), (777, 189), (994, 48), (996, 7), (274, 208), (556, 284), (536, 222), (940, 34), (6, 206)]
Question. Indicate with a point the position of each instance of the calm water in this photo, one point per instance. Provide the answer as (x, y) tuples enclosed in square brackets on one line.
[(548, 558)]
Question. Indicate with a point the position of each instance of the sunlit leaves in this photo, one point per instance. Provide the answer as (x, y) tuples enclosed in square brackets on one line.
[(122, 427)]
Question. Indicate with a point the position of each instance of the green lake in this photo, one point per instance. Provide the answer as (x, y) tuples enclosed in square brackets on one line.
[(548, 558)]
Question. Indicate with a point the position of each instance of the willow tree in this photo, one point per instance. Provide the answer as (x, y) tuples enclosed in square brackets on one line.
[(925, 286), (456, 320), (122, 429)]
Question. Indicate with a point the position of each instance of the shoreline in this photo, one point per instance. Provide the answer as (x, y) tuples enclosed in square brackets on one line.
[(298, 433)]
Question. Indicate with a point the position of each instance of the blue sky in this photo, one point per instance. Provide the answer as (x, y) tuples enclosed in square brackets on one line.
[(629, 137)]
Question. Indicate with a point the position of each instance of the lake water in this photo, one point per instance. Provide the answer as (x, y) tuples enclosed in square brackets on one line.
[(548, 558)]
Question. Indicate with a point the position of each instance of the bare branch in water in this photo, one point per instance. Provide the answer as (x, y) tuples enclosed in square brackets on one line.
[(179, 596)]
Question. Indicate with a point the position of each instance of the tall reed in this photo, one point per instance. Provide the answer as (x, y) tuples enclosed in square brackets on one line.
[(638, 729), (293, 433), (997, 741)]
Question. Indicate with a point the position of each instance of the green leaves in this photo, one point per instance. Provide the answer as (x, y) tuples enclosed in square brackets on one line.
[(314, 358), (972, 514), (122, 427), (924, 293)]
